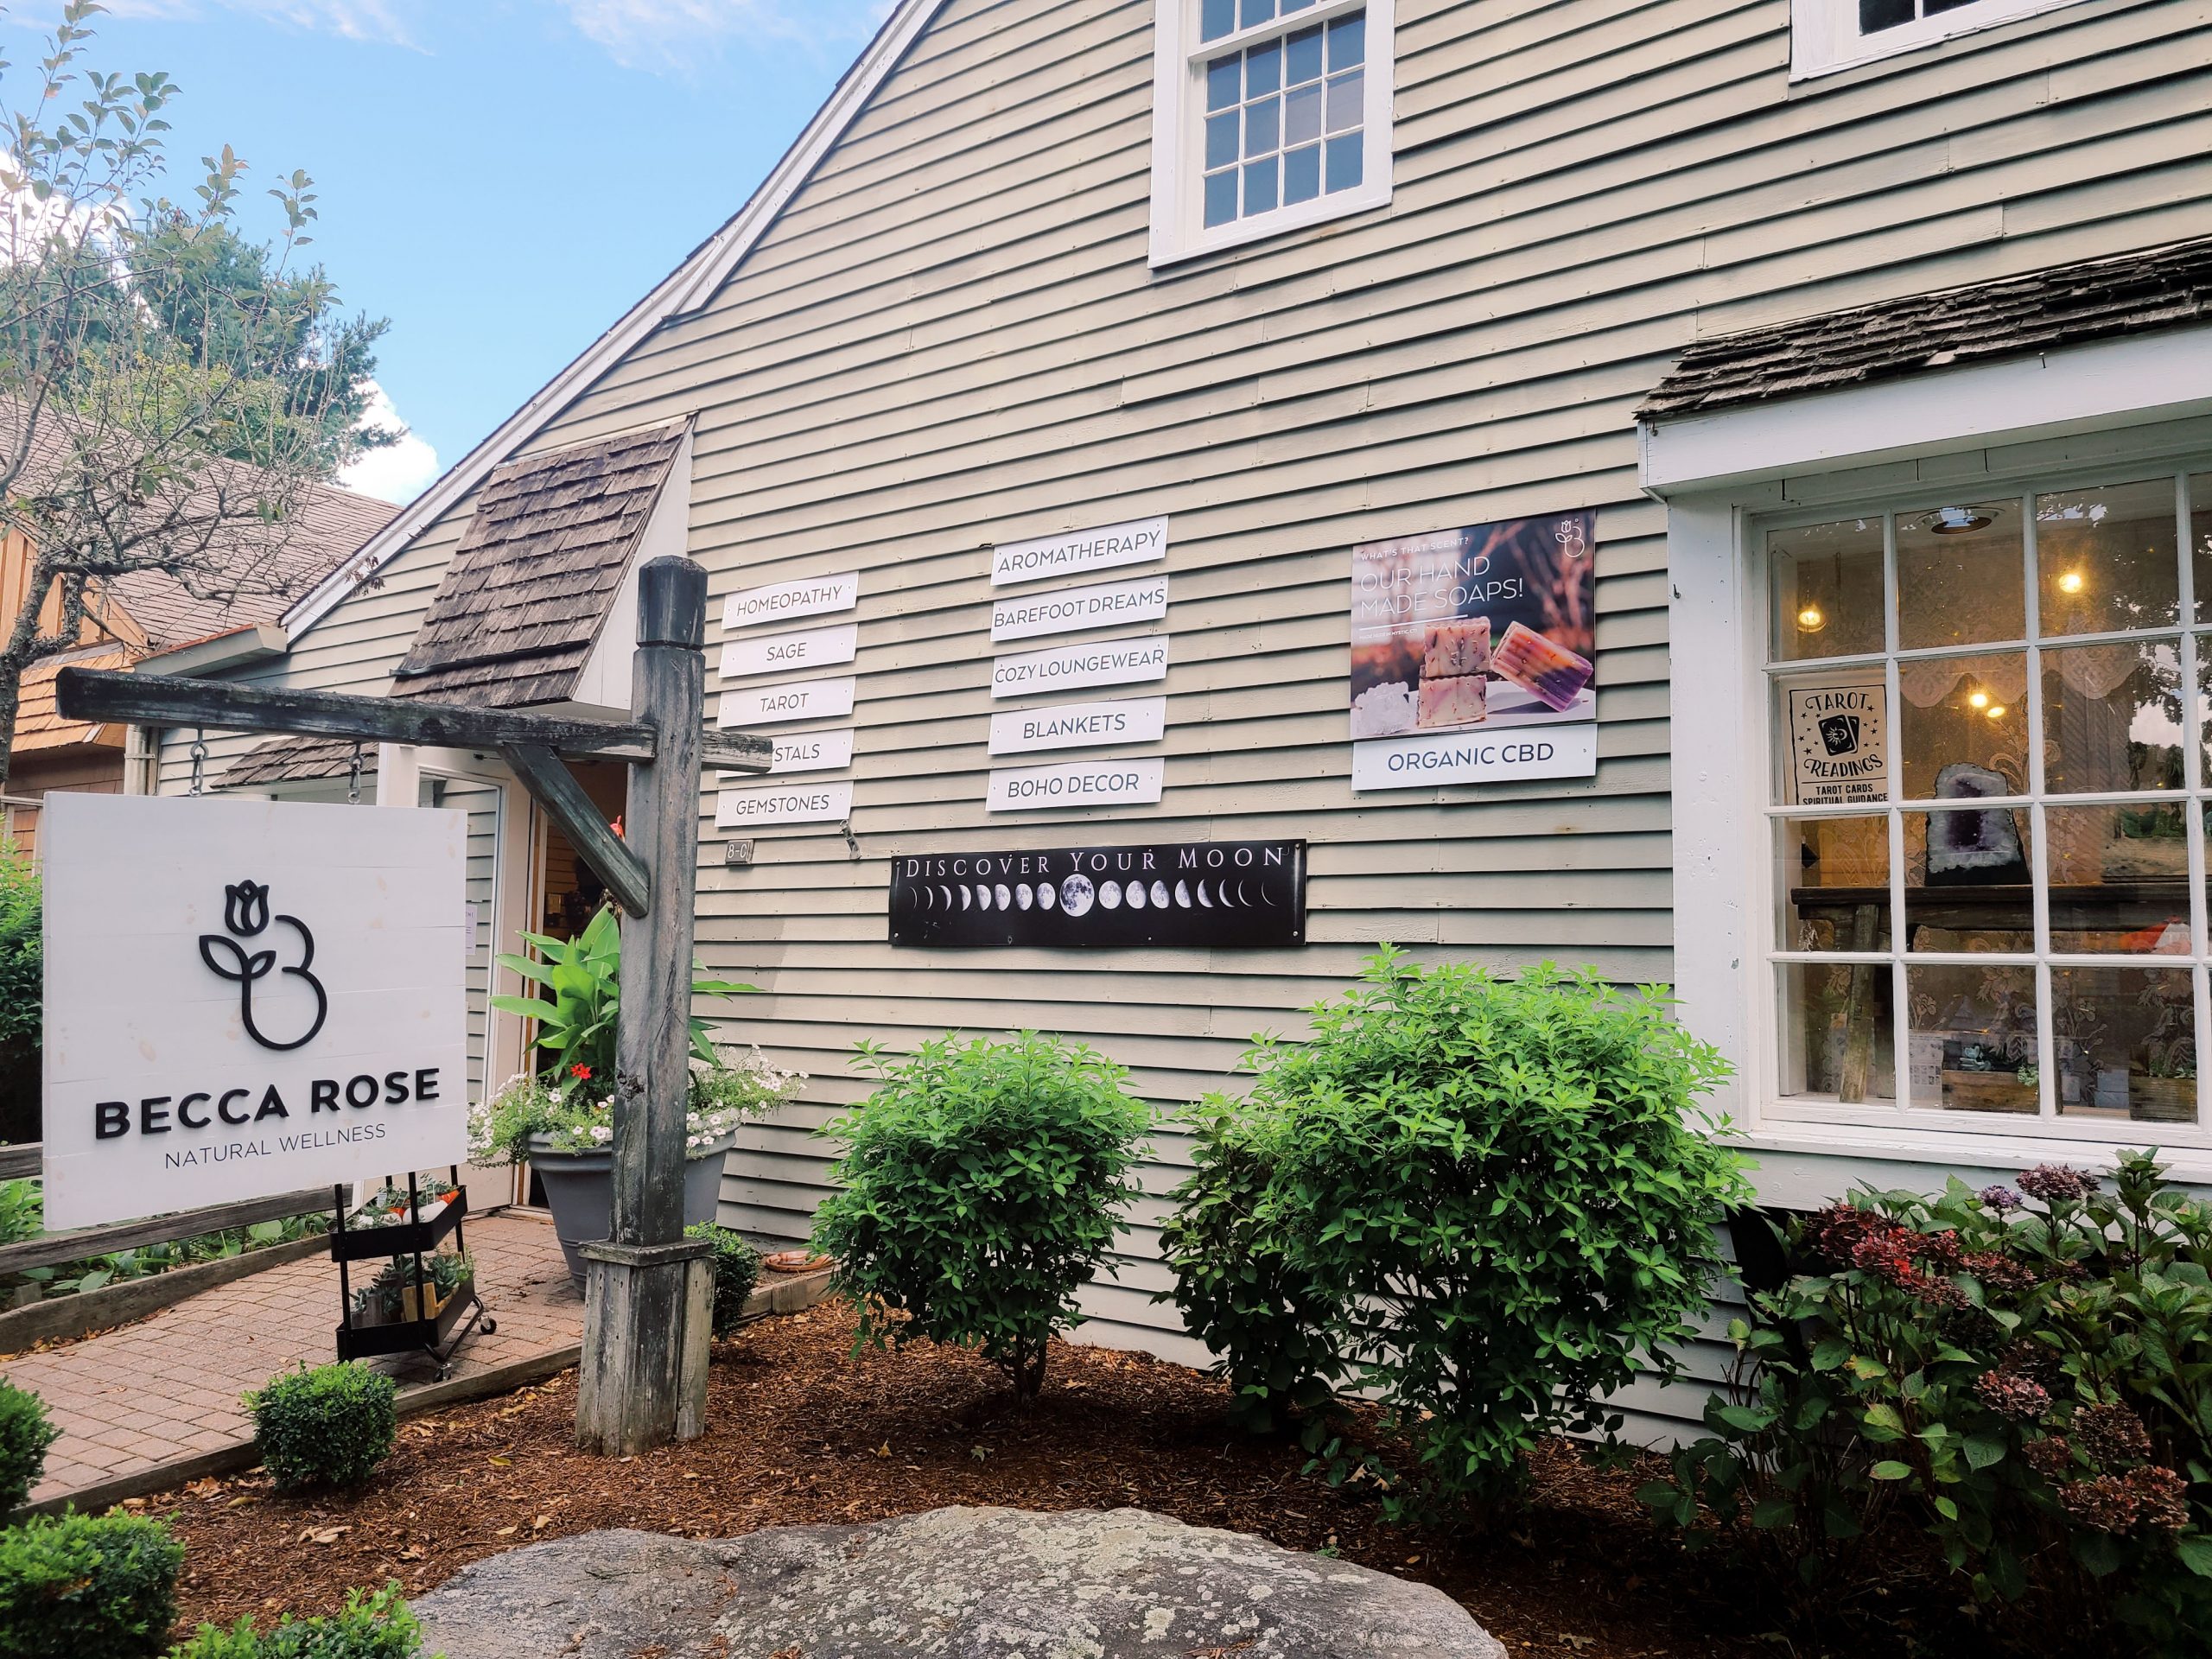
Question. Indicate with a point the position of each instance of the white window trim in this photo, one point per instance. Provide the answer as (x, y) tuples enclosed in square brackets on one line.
[(1722, 478), (1824, 37), (1177, 136)]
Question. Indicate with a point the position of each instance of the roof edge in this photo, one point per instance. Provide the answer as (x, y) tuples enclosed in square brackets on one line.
[(684, 291)]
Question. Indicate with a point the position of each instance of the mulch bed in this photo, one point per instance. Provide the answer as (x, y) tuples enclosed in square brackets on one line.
[(803, 1433)]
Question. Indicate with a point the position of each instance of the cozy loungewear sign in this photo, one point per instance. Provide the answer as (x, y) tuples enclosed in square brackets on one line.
[(247, 997)]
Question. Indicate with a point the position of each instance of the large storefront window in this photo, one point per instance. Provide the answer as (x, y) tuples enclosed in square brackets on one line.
[(1989, 723)]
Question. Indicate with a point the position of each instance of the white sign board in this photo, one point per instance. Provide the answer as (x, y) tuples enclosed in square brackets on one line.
[(1476, 757), (741, 809), (244, 998), (1078, 725), (1069, 610), (785, 653), (768, 705), (1839, 748), (1139, 541), (782, 601), (1079, 783), (813, 752), (1070, 668)]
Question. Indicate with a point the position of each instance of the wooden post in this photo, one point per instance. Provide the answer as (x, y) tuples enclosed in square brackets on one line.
[(648, 1289)]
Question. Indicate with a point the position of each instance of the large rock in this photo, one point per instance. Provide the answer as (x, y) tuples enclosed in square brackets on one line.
[(964, 1584)]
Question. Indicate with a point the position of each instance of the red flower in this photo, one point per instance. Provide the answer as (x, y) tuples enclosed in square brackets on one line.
[(581, 1073)]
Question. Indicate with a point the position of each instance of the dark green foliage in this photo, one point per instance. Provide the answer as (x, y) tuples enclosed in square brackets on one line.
[(2026, 1381), (737, 1269), (87, 1586), (25, 1433), (330, 1425), (1489, 1197), (22, 978), (1269, 1322), (373, 1626), (980, 1190)]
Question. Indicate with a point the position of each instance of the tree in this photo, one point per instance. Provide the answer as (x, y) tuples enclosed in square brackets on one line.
[(171, 392)]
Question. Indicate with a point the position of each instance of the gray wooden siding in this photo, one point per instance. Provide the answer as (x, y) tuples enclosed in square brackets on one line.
[(951, 339)]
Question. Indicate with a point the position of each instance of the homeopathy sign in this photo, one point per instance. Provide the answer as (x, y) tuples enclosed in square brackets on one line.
[(245, 998)]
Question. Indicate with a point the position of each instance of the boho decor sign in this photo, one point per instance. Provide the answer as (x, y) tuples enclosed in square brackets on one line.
[(248, 997)]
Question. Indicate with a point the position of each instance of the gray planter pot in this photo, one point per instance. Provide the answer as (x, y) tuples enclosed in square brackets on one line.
[(579, 1191)]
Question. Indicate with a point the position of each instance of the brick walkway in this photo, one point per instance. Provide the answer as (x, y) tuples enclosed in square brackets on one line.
[(166, 1389)]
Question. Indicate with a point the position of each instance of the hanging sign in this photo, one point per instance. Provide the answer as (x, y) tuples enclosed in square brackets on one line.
[(1205, 893), (1078, 725), (1486, 629), (738, 809), (1070, 668), (770, 705), (244, 998), (1077, 782), (813, 752), (785, 653), (781, 601), (1140, 542), (1070, 610), (1838, 743)]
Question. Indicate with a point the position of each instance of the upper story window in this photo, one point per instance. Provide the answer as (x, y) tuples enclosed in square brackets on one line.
[(1268, 114), (1830, 34)]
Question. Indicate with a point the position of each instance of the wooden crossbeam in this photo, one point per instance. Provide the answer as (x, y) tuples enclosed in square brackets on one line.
[(51, 1249), (556, 788), (91, 695)]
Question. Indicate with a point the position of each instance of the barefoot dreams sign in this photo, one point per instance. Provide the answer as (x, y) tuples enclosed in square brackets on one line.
[(244, 998)]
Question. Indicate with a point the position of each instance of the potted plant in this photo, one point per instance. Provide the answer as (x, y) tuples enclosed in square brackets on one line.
[(560, 1119)]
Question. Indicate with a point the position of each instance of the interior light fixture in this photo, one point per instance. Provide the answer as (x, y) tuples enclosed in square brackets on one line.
[(1812, 619), (1977, 700), (1996, 711), (1957, 521), (2072, 582)]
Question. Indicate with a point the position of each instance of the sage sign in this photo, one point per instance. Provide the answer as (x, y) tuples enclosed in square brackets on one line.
[(244, 998)]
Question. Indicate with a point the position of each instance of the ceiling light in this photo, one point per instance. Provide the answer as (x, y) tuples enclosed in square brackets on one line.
[(1957, 521), (1979, 700), (2071, 582), (1812, 619), (1996, 711)]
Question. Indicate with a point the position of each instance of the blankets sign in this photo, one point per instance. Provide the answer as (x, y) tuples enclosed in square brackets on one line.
[(244, 998)]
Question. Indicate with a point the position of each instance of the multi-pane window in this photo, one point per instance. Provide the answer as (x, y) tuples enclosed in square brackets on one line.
[(1874, 15), (1283, 115), (1992, 744), (1826, 35), (1271, 114)]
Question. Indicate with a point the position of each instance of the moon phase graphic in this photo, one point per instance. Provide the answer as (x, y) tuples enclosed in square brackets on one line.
[(1159, 895), (1023, 896), (1135, 895), (1182, 895), (1005, 897), (1109, 894), (982, 896), (967, 898), (1047, 895), (1203, 899), (928, 898), (1075, 894)]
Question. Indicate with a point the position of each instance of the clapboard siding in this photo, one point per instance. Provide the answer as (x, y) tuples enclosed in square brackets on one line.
[(950, 338)]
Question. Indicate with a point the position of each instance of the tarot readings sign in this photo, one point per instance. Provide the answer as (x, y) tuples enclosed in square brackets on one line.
[(1210, 893), (1838, 744), (244, 998), (1487, 629)]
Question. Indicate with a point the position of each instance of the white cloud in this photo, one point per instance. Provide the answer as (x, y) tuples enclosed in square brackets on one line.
[(355, 20), (668, 34), (398, 472)]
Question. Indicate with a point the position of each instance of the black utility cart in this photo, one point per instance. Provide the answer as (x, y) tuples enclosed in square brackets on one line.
[(422, 1319)]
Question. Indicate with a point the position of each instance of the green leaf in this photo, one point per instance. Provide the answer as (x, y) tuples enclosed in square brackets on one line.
[(1890, 1469), (1983, 1450), (1829, 1353)]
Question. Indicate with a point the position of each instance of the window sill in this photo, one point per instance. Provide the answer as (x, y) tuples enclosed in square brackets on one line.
[(1816, 67), (1171, 250), (1798, 1163)]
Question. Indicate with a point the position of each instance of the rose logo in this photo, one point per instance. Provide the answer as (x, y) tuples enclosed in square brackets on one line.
[(246, 914)]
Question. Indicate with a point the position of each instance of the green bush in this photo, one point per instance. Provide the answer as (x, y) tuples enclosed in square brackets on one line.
[(87, 1586), (23, 969), (25, 1433), (737, 1269), (2024, 1375), (373, 1626), (979, 1191), (1491, 1198), (329, 1426)]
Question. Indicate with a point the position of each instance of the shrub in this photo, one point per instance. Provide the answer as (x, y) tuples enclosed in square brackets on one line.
[(737, 1269), (87, 1586), (2024, 1376), (1491, 1199), (979, 1192), (376, 1625), (329, 1426), (25, 1433)]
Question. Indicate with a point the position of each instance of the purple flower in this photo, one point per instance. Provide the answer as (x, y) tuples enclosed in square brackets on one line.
[(2000, 1198), (2056, 1183), (2008, 1394)]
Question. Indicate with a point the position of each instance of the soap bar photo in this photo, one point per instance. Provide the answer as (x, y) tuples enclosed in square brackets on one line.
[(1554, 676), (1461, 701), (1455, 648)]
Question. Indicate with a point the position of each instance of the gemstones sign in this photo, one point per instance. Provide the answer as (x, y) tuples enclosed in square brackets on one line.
[(1217, 893), (244, 998)]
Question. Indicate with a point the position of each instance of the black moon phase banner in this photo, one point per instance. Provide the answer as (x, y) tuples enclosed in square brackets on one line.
[(1212, 893)]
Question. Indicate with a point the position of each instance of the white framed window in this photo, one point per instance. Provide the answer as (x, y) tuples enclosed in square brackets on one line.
[(1266, 115), (1826, 35), (1978, 899)]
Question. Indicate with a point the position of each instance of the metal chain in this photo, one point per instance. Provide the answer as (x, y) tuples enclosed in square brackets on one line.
[(200, 761), (354, 779)]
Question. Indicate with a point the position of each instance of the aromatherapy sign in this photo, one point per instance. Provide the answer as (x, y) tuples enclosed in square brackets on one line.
[(1203, 894), (245, 998), (1465, 635)]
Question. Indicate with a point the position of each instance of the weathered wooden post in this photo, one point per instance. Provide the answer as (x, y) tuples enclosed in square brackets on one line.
[(649, 1290)]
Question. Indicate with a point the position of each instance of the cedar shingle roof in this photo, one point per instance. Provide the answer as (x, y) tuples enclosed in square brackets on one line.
[(296, 759), (523, 602), (2046, 310)]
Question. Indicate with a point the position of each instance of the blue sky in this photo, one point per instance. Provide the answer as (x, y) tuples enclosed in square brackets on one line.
[(502, 178)]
